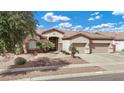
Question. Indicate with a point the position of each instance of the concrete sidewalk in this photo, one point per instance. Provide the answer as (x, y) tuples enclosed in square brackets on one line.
[(109, 69), (54, 77)]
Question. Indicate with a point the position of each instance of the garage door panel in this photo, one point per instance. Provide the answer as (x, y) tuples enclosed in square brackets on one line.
[(119, 45), (80, 47), (100, 48)]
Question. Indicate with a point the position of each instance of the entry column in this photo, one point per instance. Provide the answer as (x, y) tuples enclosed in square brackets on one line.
[(59, 44), (111, 48)]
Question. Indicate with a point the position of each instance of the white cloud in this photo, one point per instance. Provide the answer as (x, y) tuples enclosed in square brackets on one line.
[(39, 26), (118, 13), (68, 26), (98, 17), (95, 16), (95, 13), (50, 17), (91, 19), (76, 28), (108, 27)]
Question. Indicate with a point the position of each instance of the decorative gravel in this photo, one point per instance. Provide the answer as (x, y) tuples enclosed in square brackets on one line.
[(45, 61)]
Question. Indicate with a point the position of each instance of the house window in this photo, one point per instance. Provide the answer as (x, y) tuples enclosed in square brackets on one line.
[(32, 44)]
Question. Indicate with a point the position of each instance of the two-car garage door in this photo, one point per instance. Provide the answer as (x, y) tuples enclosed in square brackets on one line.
[(99, 47), (95, 47)]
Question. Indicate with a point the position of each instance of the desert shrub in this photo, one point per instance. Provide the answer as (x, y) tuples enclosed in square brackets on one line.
[(20, 61), (73, 51), (35, 53), (65, 52), (45, 45)]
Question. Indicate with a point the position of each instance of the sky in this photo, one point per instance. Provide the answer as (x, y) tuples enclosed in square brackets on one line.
[(92, 21)]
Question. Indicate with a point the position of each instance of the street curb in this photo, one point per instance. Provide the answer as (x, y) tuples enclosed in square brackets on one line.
[(54, 77), (52, 67)]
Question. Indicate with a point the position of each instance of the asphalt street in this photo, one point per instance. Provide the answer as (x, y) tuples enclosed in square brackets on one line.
[(106, 77)]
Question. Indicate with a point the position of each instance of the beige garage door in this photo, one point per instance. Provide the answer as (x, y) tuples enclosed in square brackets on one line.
[(99, 48), (80, 47)]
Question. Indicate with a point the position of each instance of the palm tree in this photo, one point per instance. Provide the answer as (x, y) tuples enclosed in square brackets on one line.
[(14, 26)]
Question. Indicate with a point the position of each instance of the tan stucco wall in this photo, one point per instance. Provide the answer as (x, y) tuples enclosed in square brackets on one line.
[(76, 40), (53, 34), (66, 44), (79, 39)]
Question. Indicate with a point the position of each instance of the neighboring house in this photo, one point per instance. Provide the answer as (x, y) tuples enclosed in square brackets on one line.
[(85, 42)]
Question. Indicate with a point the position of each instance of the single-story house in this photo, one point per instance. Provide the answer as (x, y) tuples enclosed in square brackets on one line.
[(85, 42)]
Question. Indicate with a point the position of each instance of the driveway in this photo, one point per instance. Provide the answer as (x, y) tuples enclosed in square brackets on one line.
[(103, 58)]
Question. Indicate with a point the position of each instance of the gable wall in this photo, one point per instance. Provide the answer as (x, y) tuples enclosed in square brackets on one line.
[(80, 39), (53, 34)]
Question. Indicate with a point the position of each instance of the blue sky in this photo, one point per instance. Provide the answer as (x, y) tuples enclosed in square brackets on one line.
[(81, 20)]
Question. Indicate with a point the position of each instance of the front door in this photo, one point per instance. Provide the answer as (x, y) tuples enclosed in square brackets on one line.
[(55, 41)]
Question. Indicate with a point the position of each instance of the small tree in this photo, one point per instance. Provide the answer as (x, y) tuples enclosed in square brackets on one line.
[(73, 51)]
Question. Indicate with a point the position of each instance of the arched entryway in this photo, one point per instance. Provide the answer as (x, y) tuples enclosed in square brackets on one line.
[(55, 41)]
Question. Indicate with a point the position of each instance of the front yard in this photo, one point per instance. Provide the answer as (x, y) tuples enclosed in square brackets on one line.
[(41, 60)]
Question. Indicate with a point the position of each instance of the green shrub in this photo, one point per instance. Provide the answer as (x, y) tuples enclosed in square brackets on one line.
[(50, 45), (65, 52), (20, 61)]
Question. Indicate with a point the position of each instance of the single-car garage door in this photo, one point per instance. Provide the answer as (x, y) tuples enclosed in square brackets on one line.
[(79, 46), (99, 47)]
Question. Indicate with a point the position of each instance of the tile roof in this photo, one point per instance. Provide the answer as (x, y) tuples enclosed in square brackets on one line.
[(114, 35), (70, 34), (35, 37), (90, 35)]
